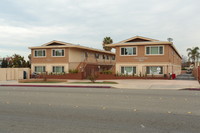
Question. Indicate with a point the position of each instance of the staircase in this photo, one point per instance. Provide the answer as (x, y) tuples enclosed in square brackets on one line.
[(81, 66), (185, 77)]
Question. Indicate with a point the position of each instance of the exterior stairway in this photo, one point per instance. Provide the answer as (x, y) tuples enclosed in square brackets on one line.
[(185, 77), (81, 66)]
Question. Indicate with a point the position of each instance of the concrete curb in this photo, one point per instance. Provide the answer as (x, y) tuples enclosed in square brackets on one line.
[(68, 86)]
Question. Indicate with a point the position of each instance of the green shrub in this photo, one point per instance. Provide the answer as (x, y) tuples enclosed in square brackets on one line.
[(73, 70), (107, 72), (92, 78)]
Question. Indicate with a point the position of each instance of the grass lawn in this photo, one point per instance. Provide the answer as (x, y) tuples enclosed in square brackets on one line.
[(93, 83)]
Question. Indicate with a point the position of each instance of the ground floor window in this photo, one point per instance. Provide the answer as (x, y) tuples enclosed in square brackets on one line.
[(128, 70), (40, 69), (154, 70), (58, 69)]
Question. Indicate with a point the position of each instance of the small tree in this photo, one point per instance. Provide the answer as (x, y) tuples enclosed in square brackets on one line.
[(107, 40), (193, 54), (4, 63), (93, 78)]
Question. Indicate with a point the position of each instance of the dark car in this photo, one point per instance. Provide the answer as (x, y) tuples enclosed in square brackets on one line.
[(189, 71)]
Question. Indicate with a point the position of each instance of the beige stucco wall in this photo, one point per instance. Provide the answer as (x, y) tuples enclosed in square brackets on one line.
[(76, 55), (13, 73), (49, 58), (49, 66)]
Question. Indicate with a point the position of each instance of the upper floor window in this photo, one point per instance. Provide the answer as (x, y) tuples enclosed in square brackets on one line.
[(128, 51), (96, 55), (86, 54), (40, 53), (154, 50), (58, 52), (113, 57), (107, 57), (104, 57)]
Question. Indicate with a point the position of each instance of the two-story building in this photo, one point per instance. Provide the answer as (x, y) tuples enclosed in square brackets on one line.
[(62, 57), (145, 56)]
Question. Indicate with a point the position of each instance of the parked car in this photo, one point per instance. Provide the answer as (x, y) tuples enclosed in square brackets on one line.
[(189, 71)]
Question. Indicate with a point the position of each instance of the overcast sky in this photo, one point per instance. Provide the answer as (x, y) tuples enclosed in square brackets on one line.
[(26, 23)]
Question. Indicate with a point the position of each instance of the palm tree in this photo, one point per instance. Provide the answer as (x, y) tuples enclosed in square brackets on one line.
[(193, 54), (107, 40)]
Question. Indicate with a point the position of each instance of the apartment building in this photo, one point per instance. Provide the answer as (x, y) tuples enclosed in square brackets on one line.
[(145, 56), (62, 57)]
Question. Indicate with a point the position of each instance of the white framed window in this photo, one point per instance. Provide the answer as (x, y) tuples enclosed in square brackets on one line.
[(58, 52), (40, 53), (103, 56), (107, 57), (156, 70), (130, 70), (113, 57), (40, 69), (129, 51), (96, 55), (154, 50), (58, 69)]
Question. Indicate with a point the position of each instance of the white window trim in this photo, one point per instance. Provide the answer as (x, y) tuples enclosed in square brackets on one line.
[(156, 66), (154, 46), (129, 47), (129, 66), (96, 57), (40, 66), (39, 56), (58, 66), (57, 56)]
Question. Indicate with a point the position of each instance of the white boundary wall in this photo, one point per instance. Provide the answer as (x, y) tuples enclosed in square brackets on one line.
[(14, 73)]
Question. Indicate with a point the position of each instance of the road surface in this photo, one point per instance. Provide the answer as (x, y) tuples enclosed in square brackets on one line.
[(90, 110)]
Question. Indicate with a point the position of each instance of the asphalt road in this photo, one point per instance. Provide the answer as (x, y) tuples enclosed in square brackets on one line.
[(90, 110)]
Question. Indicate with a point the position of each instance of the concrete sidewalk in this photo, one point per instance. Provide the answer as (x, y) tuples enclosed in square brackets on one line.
[(122, 84), (157, 84)]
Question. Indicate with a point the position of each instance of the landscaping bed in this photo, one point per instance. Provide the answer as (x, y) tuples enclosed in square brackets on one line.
[(42, 80), (104, 82)]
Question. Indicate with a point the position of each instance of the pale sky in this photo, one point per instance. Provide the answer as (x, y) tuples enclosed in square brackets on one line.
[(26, 23)]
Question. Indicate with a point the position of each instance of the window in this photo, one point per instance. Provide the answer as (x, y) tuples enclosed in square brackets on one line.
[(40, 53), (107, 57), (39, 69), (58, 52), (96, 56), (104, 57), (154, 70), (154, 50), (58, 69), (113, 57), (128, 70), (86, 54), (128, 51)]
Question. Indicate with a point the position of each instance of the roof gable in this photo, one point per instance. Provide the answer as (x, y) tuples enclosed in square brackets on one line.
[(56, 43), (60, 44), (138, 39)]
